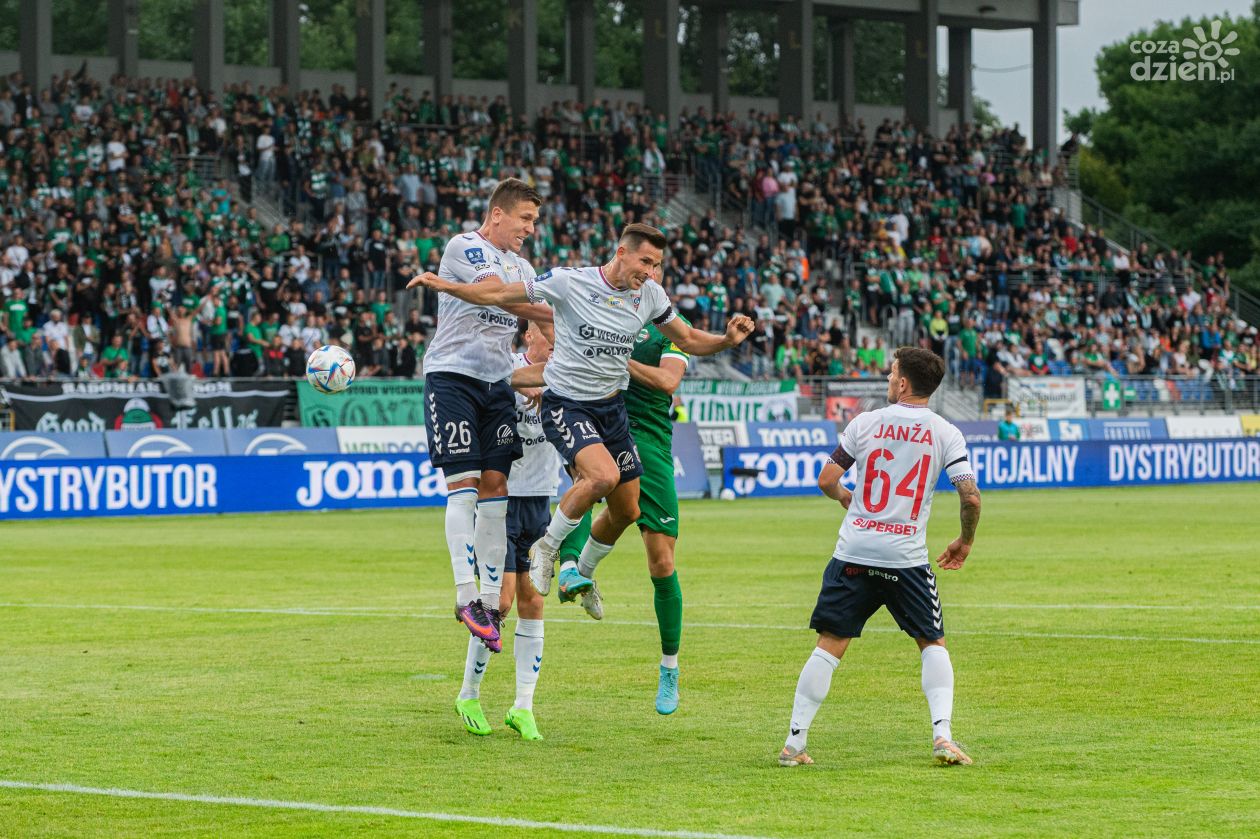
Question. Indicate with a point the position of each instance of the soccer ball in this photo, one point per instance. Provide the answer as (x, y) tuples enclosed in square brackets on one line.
[(330, 369), (727, 494)]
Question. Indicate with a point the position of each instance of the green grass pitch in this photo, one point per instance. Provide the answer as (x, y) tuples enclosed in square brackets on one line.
[(1106, 645)]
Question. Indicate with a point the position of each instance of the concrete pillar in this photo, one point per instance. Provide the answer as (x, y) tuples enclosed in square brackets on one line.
[(439, 46), (207, 47), (921, 77), (582, 49), (842, 77), (662, 92), (1045, 92), (35, 42), (522, 56), (796, 60), (715, 35), (286, 43), (960, 74), (369, 51), (124, 35)]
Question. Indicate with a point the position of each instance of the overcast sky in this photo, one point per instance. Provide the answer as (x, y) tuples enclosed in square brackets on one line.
[(1102, 22)]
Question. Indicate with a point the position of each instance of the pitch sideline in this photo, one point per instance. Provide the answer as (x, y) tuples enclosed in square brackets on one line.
[(317, 807)]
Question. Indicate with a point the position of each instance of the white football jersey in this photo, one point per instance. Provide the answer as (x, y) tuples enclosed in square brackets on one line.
[(538, 470), (596, 326), (475, 340), (899, 452)]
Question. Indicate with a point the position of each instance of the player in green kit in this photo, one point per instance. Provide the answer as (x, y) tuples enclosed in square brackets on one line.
[(656, 367)]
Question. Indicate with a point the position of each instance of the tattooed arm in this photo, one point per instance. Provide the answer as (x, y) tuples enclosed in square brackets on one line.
[(832, 472), (969, 513)]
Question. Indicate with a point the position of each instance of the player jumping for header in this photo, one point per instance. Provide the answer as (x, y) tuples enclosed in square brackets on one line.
[(469, 407), (598, 313), (881, 557)]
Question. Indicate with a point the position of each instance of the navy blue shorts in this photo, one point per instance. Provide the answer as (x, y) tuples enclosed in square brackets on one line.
[(527, 520), (470, 424), (571, 426), (851, 593)]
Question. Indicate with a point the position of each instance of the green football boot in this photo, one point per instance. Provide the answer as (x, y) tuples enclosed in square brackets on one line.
[(470, 712), (522, 721)]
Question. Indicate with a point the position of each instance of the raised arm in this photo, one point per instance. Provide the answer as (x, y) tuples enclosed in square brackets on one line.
[(664, 378), (488, 292), (698, 342)]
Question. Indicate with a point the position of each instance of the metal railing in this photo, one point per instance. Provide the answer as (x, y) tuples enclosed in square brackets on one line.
[(208, 167), (1219, 392), (1117, 228), (1108, 396)]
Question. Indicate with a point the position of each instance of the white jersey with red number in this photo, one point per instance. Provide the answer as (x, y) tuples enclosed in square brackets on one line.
[(898, 452)]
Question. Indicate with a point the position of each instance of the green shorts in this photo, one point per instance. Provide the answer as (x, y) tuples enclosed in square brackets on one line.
[(658, 497)]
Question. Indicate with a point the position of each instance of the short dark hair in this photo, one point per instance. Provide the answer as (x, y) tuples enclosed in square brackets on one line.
[(923, 368), (512, 191), (636, 234)]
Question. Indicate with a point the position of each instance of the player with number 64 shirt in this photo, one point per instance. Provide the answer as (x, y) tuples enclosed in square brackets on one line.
[(881, 557)]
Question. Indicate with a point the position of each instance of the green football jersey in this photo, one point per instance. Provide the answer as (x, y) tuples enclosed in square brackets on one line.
[(647, 407)]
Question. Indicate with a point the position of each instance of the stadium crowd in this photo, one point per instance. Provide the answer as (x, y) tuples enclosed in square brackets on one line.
[(120, 256)]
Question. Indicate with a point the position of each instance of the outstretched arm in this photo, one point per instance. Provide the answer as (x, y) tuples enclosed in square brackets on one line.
[(488, 292), (664, 378), (540, 313), (969, 513), (531, 376), (698, 342)]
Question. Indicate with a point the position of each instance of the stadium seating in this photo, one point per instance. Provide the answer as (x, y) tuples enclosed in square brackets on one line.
[(149, 211)]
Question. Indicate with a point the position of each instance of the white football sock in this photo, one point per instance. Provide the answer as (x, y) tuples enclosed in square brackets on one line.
[(938, 687), (560, 526), (592, 552), (461, 509), (811, 690), (670, 661), (490, 539), (527, 647), (474, 669)]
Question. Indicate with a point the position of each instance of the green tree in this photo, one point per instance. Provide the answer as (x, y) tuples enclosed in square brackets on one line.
[(1182, 157), (80, 27), (327, 35), (8, 24), (166, 29), (619, 34), (246, 32)]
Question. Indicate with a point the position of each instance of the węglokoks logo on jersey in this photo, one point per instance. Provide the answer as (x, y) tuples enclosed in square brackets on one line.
[(621, 343)]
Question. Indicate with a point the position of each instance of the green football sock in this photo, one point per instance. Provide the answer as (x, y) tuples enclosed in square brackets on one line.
[(669, 612), (571, 547)]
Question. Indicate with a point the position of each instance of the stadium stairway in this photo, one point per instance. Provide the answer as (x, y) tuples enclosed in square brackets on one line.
[(957, 404), (684, 201)]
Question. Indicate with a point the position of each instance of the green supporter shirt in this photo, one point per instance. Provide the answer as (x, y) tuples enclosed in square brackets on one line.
[(647, 407), (17, 309), (110, 355), (968, 340), (252, 331)]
